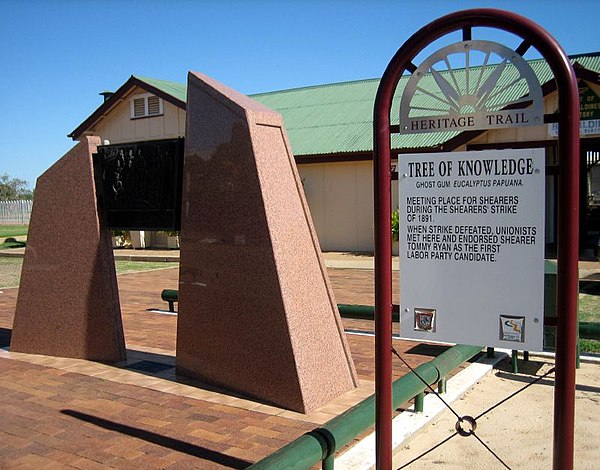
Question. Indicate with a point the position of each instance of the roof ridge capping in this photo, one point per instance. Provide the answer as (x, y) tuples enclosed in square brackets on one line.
[(586, 54), (152, 79), (309, 87)]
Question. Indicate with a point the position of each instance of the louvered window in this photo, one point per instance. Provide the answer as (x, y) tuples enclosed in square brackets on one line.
[(153, 105), (139, 107), (146, 105)]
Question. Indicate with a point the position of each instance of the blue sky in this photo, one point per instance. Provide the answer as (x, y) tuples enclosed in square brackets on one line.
[(57, 55)]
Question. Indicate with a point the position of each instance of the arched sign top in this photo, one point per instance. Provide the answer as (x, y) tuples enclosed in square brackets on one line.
[(494, 88), (532, 34)]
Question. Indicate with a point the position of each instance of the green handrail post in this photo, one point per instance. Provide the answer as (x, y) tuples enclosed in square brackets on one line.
[(441, 388), (419, 402), (328, 462), (171, 296), (515, 361)]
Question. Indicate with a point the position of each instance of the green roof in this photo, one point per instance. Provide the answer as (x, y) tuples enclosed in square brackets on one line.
[(338, 118), (326, 119), (176, 90)]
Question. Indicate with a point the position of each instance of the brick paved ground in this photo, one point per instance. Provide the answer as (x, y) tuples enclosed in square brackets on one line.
[(63, 413)]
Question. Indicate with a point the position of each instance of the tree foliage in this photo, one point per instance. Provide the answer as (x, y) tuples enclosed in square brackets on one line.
[(14, 188)]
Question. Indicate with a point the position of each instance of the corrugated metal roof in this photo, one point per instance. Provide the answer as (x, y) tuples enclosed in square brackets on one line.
[(178, 90), (338, 118), (326, 119)]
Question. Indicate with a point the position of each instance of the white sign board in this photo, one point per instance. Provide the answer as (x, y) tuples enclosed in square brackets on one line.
[(472, 247)]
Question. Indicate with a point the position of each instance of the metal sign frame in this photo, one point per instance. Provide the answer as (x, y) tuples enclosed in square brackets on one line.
[(568, 216)]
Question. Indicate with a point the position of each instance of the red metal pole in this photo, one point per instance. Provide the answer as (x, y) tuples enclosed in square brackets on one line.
[(568, 277), (383, 281), (568, 218)]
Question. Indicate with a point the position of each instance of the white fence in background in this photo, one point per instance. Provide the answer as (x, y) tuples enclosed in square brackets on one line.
[(15, 212)]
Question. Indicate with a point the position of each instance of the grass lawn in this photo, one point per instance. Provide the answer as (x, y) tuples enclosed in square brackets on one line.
[(589, 311), (589, 345), (12, 231), (132, 266), (10, 269), (589, 308)]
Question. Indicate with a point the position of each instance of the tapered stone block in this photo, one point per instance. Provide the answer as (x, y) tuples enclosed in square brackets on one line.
[(68, 302), (257, 314)]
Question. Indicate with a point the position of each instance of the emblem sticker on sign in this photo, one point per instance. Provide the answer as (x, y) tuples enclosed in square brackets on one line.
[(512, 328), (424, 319)]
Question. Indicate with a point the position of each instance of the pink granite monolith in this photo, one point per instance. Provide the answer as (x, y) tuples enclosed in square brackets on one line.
[(257, 314), (68, 301)]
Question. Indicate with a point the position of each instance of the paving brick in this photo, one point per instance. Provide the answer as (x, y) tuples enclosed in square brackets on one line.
[(87, 464), (65, 458), (205, 418), (50, 415), (208, 435), (33, 461)]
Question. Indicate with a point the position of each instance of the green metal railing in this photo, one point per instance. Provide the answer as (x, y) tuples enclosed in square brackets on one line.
[(361, 312), (589, 330), (320, 445)]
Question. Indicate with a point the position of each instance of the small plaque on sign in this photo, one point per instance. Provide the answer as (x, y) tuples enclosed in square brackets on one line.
[(512, 328), (424, 319)]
